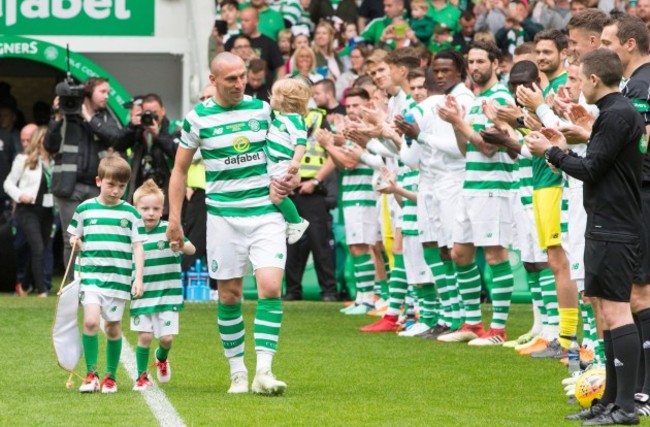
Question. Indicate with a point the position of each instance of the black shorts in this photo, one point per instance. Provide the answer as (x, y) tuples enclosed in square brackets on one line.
[(610, 268), (642, 275)]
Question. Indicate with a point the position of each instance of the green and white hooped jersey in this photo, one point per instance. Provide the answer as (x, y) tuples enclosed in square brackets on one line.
[(163, 287), (287, 131), (488, 176), (525, 175), (107, 234), (409, 181), (291, 10), (356, 187), (232, 141)]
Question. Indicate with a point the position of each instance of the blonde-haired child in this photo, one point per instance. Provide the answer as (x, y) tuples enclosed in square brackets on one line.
[(155, 313), (286, 144)]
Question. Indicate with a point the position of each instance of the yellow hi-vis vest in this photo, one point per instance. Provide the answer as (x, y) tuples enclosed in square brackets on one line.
[(315, 156), (196, 175)]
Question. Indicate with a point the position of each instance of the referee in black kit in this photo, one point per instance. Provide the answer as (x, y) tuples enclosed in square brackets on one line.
[(611, 171)]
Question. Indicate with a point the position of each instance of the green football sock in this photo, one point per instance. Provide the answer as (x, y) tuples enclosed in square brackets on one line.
[(268, 320), (457, 317), (289, 211), (538, 303), (91, 350), (439, 272), (142, 359), (113, 352), (383, 285), (469, 286), (364, 272), (429, 298), (501, 293), (162, 353), (397, 286), (231, 329), (549, 296), (589, 334), (599, 352)]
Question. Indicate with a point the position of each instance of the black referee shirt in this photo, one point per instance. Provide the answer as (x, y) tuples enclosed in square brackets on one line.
[(611, 171), (637, 90)]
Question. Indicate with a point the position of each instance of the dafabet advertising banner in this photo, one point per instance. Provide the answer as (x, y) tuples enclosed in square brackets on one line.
[(77, 17)]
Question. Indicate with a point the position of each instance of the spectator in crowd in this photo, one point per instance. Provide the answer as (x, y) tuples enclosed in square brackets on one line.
[(643, 10), (369, 10), (484, 36), (324, 94), (346, 40), (153, 146), (494, 17), (313, 204), (264, 47), (29, 186), (77, 141), (290, 10), (346, 10), (303, 62), (270, 21), (442, 39), (443, 12), (518, 28), (421, 24), (552, 14), (21, 248), (357, 59), (424, 54), (257, 84), (383, 29), (241, 46), (284, 44), (229, 13), (464, 37), (327, 61)]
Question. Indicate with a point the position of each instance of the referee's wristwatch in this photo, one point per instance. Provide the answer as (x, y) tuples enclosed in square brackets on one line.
[(315, 181)]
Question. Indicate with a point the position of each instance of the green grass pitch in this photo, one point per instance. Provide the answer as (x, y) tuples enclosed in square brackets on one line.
[(335, 375)]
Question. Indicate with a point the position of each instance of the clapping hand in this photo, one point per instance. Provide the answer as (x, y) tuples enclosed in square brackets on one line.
[(579, 115)]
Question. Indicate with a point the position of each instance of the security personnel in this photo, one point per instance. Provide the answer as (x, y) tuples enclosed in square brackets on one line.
[(313, 204)]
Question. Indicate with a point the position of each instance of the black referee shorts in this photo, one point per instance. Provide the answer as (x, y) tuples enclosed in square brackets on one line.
[(610, 268), (642, 275)]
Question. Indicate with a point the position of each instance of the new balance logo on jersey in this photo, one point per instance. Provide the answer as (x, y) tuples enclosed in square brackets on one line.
[(555, 236), (575, 266), (243, 158), (646, 345), (618, 363), (488, 235), (93, 222), (113, 309), (279, 255), (168, 323)]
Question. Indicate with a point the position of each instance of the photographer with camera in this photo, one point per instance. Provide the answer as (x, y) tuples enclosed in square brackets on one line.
[(78, 137), (153, 146)]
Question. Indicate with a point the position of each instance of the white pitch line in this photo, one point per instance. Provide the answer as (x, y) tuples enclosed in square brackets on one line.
[(160, 406)]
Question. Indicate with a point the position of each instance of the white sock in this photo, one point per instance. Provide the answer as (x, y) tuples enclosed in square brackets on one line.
[(368, 298), (237, 365), (264, 361), (537, 320)]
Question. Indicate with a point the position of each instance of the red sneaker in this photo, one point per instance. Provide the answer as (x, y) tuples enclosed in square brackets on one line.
[(492, 337), (109, 385), (385, 324), (163, 371)]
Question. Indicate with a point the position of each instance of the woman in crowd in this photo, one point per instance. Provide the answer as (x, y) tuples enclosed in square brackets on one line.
[(327, 61), (303, 62), (28, 184), (358, 56)]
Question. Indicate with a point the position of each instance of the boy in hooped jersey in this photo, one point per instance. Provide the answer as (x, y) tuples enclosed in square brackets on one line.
[(155, 313), (109, 232)]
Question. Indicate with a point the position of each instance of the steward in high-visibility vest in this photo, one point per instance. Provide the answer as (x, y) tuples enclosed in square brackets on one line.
[(315, 156)]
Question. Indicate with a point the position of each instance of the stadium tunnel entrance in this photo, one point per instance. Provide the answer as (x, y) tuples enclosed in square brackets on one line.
[(30, 70)]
